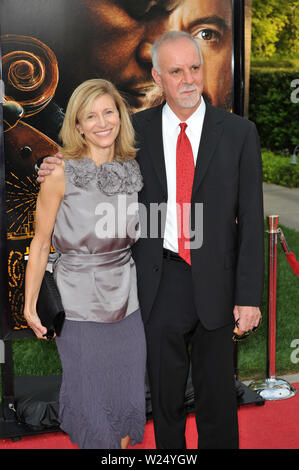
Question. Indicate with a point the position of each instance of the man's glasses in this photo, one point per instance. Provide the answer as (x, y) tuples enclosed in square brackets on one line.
[(245, 335)]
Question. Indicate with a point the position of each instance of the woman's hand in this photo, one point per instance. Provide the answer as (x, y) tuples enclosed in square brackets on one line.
[(35, 323)]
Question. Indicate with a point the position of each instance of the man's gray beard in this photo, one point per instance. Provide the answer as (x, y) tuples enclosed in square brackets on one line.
[(190, 102)]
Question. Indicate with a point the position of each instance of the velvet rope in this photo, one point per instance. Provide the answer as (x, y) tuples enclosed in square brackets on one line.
[(293, 263), (289, 254)]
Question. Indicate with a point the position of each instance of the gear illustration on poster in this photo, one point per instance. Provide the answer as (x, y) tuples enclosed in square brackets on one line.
[(30, 74), (20, 206)]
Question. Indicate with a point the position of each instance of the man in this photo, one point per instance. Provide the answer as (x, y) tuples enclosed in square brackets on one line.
[(189, 307)]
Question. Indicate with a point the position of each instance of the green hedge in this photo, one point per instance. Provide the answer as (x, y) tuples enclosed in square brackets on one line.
[(274, 63), (277, 169), (272, 110)]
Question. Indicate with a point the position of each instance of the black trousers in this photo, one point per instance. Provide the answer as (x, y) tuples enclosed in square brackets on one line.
[(176, 338)]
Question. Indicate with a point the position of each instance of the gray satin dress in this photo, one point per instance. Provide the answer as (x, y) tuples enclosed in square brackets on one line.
[(102, 344)]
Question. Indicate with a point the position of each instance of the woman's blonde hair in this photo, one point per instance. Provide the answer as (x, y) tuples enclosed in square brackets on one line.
[(81, 100)]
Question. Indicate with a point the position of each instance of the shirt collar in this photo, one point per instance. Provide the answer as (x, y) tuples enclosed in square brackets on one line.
[(192, 122)]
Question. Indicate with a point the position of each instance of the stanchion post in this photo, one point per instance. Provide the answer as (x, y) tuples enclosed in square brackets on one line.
[(272, 388), (273, 226)]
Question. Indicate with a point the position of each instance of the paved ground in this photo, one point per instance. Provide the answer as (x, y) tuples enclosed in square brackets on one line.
[(284, 202), (291, 379)]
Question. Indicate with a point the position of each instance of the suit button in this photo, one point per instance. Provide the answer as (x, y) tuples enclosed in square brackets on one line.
[(156, 268)]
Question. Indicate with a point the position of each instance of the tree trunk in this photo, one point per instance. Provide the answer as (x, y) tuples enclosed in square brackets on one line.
[(248, 8)]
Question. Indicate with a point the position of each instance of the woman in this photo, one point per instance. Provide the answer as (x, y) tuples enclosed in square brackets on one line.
[(83, 211)]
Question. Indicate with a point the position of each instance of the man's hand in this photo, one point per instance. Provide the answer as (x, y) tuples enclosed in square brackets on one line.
[(48, 165), (249, 318)]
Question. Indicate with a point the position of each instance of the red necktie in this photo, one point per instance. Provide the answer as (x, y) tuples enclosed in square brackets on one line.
[(184, 182)]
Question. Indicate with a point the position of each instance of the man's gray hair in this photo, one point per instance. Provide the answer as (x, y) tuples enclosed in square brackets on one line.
[(171, 36)]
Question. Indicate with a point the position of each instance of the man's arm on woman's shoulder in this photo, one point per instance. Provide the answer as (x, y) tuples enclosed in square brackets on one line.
[(46, 165)]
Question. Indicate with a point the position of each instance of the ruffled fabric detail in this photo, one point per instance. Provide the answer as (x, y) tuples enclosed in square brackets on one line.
[(80, 172), (112, 177), (119, 177)]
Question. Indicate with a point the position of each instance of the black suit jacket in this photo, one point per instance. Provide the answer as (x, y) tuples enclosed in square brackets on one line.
[(228, 269)]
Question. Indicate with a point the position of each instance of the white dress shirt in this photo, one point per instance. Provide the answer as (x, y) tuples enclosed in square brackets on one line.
[(170, 131)]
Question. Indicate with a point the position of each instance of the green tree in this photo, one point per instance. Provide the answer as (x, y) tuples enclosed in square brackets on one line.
[(275, 27), (289, 37)]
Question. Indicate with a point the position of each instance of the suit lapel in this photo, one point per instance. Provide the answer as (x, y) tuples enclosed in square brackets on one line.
[(211, 132), (154, 143)]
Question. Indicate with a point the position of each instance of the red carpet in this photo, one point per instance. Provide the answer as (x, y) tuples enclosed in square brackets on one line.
[(274, 425)]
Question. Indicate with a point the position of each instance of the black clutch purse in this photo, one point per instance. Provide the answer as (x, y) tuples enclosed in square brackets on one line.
[(49, 306)]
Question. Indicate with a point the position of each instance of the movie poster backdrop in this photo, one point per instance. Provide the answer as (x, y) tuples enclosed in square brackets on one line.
[(51, 46)]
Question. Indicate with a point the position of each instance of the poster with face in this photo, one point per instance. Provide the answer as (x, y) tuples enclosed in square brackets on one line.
[(51, 46)]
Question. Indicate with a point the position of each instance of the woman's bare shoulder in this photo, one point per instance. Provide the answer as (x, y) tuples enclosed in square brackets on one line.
[(54, 183)]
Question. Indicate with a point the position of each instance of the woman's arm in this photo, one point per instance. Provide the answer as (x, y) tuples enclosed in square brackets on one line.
[(48, 202)]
